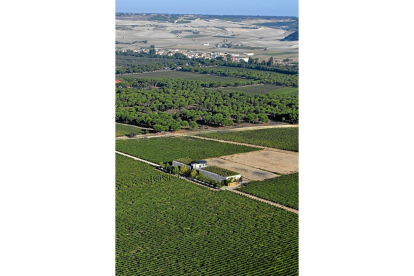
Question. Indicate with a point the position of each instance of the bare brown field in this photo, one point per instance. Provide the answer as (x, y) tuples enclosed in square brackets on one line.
[(159, 34), (248, 172), (271, 160)]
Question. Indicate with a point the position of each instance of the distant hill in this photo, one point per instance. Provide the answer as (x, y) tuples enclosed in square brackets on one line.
[(292, 37), (286, 25)]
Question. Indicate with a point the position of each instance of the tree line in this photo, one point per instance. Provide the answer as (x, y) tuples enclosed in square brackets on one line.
[(177, 57)]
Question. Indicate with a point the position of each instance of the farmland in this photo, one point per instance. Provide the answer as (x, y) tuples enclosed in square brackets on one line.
[(283, 189), (167, 226), (262, 89), (166, 149), (122, 130), (279, 138), (195, 36), (182, 75)]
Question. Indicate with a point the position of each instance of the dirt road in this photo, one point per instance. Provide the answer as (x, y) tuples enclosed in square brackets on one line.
[(266, 201), (136, 158)]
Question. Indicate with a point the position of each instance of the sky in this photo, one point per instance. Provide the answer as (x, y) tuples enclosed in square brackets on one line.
[(216, 7)]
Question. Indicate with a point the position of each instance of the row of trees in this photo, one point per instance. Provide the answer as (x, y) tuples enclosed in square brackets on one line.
[(180, 59), (193, 174)]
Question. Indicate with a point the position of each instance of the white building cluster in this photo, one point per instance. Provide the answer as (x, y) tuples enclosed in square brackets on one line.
[(196, 54)]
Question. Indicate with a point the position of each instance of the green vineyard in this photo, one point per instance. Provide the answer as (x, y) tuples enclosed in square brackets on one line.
[(122, 130), (283, 189), (168, 226), (166, 149), (280, 138)]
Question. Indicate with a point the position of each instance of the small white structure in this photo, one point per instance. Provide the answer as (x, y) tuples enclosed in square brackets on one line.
[(206, 44), (198, 164), (248, 54)]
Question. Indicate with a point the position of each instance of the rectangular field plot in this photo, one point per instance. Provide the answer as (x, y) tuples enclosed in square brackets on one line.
[(246, 171), (278, 161), (174, 227), (262, 89), (279, 138), (181, 75), (283, 190), (167, 149)]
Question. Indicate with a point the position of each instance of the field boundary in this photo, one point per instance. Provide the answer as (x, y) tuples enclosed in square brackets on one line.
[(266, 201), (139, 159), (245, 144)]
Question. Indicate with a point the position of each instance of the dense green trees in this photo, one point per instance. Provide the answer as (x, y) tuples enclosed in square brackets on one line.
[(129, 58), (180, 103)]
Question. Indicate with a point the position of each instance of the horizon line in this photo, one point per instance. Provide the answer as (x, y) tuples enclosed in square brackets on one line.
[(207, 14)]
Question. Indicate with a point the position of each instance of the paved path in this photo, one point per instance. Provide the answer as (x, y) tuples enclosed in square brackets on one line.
[(266, 201)]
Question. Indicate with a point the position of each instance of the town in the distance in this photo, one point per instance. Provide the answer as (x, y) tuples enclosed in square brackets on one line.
[(207, 144)]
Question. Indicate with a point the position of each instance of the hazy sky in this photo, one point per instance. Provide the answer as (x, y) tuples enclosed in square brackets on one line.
[(239, 7)]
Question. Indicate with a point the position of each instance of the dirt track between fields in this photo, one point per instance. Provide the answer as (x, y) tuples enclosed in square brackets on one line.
[(268, 159), (248, 173), (266, 201), (231, 190)]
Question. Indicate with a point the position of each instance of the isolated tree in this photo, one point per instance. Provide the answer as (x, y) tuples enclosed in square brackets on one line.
[(201, 176), (183, 169), (176, 170), (193, 125), (193, 173), (152, 50), (270, 61)]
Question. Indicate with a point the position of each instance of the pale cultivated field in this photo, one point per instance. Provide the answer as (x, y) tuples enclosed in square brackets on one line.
[(159, 34), (272, 160), (248, 172)]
